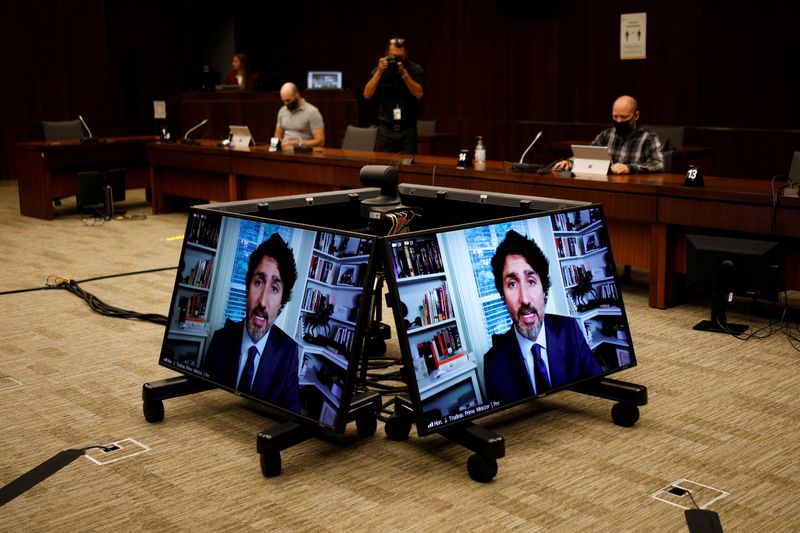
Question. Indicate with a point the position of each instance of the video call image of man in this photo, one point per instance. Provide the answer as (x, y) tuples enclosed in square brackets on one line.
[(255, 356), (633, 148), (299, 122), (540, 351), (397, 85)]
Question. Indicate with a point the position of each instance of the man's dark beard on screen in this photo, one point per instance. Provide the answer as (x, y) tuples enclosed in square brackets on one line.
[(257, 323), (527, 321)]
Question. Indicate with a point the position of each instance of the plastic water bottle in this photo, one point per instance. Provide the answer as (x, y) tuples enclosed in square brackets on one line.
[(480, 150)]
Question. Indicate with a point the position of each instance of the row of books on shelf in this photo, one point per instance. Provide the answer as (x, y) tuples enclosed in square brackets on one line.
[(416, 258), (315, 299), (325, 270), (440, 347), (341, 245), (204, 230), (344, 336), (568, 247), (574, 274), (200, 275), (435, 305), (192, 310), (606, 291), (575, 220), (577, 246)]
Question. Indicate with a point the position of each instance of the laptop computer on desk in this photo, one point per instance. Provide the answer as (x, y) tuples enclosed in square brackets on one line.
[(240, 137), (590, 161), (793, 182)]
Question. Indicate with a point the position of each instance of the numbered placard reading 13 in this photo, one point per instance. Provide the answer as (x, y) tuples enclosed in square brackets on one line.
[(694, 177)]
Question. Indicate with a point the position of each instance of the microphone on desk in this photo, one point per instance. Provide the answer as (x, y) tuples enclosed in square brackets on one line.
[(187, 140), (524, 167), (90, 139)]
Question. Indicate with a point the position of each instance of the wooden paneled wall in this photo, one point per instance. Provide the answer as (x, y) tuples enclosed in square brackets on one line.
[(500, 69)]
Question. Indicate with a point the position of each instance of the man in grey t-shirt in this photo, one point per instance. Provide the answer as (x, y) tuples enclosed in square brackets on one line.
[(299, 123)]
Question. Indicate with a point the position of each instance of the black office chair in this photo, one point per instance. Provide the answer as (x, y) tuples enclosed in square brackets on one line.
[(426, 127), (356, 138), (668, 160), (671, 137), (62, 130)]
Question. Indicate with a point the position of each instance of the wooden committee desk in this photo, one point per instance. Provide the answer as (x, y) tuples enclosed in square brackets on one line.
[(648, 215), (48, 170)]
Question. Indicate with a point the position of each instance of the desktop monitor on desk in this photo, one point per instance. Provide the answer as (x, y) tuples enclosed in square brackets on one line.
[(324, 80)]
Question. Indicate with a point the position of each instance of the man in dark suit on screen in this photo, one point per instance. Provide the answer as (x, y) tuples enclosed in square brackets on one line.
[(540, 352), (253, 356)]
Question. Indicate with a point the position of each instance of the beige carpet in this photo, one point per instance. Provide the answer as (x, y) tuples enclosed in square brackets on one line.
[(723, 413)]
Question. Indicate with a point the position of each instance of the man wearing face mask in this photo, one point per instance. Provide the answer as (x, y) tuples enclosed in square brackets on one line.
[(299, 123), (396, 84), (634, 149)]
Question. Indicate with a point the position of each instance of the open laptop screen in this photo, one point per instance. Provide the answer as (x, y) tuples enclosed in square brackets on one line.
[(794, 171), (590, 160)]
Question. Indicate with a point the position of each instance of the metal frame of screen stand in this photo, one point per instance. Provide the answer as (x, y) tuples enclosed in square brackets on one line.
[(488, 445), (363, 410), (364, 406)]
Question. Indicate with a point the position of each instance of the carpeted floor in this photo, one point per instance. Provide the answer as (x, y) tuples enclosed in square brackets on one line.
[(723, 413)]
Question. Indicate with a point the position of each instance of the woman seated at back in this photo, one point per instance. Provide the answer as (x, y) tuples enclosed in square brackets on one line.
[(241, 74)]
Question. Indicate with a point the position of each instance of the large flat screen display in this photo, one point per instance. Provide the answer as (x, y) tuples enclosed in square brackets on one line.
[(271, 311), (492, 314)]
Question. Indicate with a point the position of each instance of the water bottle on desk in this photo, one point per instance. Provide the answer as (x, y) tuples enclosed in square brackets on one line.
[(480, 155)]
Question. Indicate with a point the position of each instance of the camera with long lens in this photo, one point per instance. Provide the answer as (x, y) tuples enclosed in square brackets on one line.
[(393, 60)]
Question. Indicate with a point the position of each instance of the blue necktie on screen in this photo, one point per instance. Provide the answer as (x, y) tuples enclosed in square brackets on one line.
[(540, 377), (249, 370)]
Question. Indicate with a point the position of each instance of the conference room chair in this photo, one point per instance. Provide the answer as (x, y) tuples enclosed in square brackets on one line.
[(671, 137), (62, 130), (668, 156), (356, 138), (426, 127)]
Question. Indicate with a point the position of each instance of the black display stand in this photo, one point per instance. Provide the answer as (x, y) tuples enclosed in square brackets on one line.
[(629, 397), (364, 408), (489, 446)]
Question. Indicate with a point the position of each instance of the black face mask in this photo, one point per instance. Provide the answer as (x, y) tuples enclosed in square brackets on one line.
[(622, 128), (291, 106)]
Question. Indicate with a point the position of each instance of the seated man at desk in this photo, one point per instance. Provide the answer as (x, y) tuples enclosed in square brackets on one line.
[(299, 123), (633, 148), (540, 352)]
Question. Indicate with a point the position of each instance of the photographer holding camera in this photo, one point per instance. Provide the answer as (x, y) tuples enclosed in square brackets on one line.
[(397, 84)]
